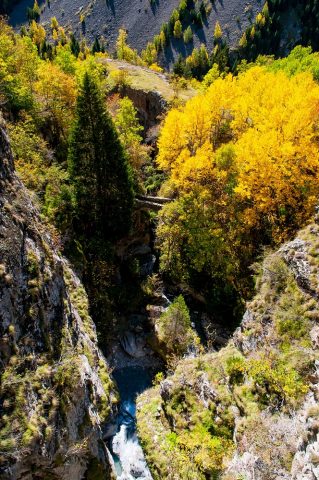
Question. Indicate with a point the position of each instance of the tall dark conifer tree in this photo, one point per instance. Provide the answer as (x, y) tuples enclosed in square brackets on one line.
[(74, 45), (96, 46), (98, 170)]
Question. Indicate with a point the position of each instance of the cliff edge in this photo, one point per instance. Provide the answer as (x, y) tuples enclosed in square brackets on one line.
[(249, 411), (56, 392)]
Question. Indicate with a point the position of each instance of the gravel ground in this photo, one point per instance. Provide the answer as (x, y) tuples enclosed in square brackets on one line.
[(105, 17), (234, 17)]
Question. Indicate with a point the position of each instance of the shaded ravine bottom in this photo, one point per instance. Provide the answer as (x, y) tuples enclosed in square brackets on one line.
[(127, 453)]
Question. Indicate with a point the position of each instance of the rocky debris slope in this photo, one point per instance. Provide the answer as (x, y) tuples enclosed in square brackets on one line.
[(250, 410), (143, 19), (101, 18), (56, 393)]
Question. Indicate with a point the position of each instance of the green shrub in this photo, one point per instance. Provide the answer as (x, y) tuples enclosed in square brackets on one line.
[(174, 328), (276, 383), (236, 368)]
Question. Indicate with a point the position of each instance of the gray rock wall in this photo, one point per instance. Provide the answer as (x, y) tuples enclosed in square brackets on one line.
[(56, 393)]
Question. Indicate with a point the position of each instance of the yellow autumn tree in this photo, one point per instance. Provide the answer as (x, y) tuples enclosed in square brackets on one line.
[(55, 92), (218, 33), (18, 69), (271, 121), (37, 33), (242, 160)]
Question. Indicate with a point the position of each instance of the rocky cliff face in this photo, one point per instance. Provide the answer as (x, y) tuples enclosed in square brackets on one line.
[(150, 106), (250, 410), (56, 393)]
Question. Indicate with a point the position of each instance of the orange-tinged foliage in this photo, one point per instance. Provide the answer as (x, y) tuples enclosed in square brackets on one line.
[(271, 121)]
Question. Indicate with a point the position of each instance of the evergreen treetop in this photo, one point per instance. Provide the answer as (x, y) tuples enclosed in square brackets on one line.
[(98, 169)]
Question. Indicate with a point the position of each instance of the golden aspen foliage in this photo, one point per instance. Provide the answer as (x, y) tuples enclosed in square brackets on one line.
[(242, 160), (218, 33), (124, 51), (265, 10), (271, 121), (54, 24), (243, 41), (56, 93), (260, 19), (37, 33), (156, 68), (62, 35), (55, 35), (18, 69), (178, 29)]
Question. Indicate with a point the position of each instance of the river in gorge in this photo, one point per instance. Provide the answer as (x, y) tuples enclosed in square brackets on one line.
[(134, 365), (127, 454)]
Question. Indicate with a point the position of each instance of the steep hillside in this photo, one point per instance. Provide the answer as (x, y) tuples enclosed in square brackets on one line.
[(7, 5), (280, 27), (251, 410), (104, 18), (56, 394), (142, 19)]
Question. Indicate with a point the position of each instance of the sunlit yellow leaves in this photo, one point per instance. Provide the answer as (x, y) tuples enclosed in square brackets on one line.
[(271, 122), (242, 159), (37, 33), (56, 93), (192, 169), (171, 141), (18, 66)]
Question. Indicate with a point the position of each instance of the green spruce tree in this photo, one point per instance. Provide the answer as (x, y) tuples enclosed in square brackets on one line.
[(98, 170), (96, 48), (74, 45)]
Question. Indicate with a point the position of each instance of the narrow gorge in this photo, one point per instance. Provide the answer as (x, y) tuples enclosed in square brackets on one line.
[(67, 411), (159, 240)]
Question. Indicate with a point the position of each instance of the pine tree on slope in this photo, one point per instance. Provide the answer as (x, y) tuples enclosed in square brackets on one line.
[(98, 169)]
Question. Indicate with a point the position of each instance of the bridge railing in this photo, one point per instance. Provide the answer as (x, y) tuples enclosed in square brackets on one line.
[(152, 203)]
